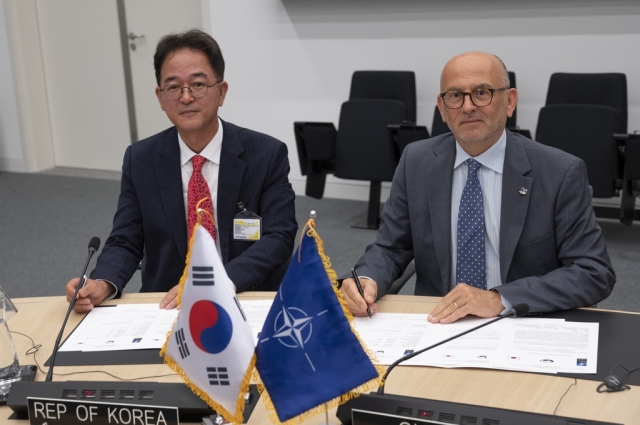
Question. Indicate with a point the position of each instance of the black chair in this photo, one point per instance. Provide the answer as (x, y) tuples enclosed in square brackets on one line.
[(440, 127), (581, 116), (399, 283), (361, 149), (630, 178), (316, 143), (585, 131), (405, 133), (607, 89)]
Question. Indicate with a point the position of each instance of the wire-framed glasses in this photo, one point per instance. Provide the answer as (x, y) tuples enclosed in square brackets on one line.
[(479, 97), (197, 89)]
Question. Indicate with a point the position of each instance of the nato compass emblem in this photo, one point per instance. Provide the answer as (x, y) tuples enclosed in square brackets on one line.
[(292, 328)]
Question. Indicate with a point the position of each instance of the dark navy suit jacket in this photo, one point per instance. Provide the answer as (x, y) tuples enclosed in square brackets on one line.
[(150, 218)]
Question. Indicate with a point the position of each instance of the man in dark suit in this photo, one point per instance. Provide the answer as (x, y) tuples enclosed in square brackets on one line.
[(519, 228), (159, 175)]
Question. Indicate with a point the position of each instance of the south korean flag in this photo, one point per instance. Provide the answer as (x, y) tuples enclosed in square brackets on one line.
[(211, 344)]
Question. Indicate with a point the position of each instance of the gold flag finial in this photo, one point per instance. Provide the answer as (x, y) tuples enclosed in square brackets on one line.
[(200, 211)]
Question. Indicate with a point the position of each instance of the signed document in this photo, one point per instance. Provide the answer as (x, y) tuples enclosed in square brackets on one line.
[(523, 344), (122, 327)]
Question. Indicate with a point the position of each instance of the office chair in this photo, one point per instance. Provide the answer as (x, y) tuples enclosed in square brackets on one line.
[(361, 148), (440, 127), (607, 89), (630, 177), (581, 116), (399, 283), (585, 131)]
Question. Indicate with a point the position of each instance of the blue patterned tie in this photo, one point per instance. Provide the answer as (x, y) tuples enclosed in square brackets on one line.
[(471, 266)]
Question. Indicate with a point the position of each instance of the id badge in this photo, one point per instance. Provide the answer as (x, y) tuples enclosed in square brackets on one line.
[(247, 226)]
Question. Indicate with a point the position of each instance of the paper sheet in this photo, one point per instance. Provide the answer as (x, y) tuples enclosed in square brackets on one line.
[(523, 344), (124, 327)]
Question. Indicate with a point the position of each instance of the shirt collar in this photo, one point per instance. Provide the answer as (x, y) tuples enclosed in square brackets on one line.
[(492, 158), (211, 152)]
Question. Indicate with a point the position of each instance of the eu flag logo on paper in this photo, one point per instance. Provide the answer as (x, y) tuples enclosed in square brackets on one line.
[(308, 356)]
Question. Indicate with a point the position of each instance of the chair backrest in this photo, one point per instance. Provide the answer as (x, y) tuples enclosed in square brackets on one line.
[(440, 127), (390, 85), (608, 89), (363, 148), (512, 122), (399, 283), (585, 131)]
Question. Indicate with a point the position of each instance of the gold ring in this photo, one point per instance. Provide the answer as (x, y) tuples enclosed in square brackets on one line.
[(456, 305)]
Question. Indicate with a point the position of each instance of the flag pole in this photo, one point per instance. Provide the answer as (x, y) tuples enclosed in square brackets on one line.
[(326, 415), (309, 292)]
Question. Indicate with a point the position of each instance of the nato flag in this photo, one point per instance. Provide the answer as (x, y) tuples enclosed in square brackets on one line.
[(307, 354)]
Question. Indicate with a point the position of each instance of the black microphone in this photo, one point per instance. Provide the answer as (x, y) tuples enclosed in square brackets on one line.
[(516, 311), (94, 244)]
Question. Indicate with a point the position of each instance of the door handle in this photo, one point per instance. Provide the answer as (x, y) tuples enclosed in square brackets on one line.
[(133, 37)]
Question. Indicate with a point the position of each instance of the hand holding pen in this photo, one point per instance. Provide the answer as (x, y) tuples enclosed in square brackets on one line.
[(360, 290)]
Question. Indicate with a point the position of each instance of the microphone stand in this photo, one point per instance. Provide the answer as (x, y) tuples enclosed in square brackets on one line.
[(93, 247), (519, 310)]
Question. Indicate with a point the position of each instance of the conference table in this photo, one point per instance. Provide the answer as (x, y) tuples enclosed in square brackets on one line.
[(40, 318)]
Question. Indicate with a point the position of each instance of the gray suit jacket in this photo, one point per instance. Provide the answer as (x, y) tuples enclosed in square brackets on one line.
[(552, 252)]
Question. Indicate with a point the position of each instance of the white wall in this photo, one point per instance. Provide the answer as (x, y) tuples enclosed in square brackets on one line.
[(11, 156), (62, 91), (292, 60)]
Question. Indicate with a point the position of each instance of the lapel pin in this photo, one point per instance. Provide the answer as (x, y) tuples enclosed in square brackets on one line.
[(523, 191)]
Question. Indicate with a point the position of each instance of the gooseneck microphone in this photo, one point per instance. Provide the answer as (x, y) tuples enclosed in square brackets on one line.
[(94, 244), (516, 311)]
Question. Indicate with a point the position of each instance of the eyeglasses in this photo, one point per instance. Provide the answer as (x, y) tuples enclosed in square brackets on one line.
[(479, 97), (198, 89)]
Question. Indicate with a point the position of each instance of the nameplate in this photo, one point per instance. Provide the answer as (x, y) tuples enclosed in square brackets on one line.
[(48, 411)]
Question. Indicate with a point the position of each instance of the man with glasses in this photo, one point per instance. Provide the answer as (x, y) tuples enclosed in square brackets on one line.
[(491, 218), (165, 177)]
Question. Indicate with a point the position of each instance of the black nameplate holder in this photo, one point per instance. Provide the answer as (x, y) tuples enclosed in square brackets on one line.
[(51, 411), (365, 417)]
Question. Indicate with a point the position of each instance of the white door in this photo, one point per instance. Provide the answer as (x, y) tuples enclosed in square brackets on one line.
[(154, 19), (84, 73), (85, 89)]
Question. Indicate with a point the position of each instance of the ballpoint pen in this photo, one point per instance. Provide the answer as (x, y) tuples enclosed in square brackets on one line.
[(359, 286)]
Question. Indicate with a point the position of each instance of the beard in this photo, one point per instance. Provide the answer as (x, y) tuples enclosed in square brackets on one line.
[(486, 131)]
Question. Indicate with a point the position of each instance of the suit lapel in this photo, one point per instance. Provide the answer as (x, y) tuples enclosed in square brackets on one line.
[(230, 177), (439, 181), (169, 177), (513, 211)]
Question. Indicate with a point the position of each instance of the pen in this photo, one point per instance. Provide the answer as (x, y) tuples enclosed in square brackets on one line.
[(359, 286)]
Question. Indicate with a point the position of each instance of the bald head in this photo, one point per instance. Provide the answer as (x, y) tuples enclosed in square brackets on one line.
[(483, 77), (474, 60)]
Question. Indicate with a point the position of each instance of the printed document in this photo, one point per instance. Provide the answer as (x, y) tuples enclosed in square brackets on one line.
[(523, 344)]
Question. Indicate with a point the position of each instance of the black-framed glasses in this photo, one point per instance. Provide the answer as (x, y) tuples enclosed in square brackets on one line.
[(479, 97), (197, 89)]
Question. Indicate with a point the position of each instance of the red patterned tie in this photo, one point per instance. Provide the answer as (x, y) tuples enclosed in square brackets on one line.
[(199, 189)]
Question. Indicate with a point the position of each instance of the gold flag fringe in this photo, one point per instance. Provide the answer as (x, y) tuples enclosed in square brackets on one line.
[(236, 417), (183, 279), (373, 384)]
